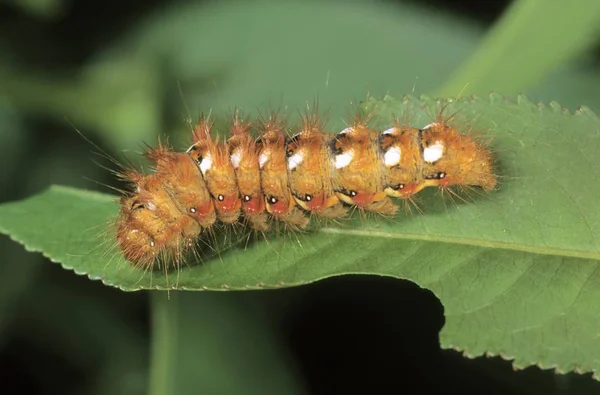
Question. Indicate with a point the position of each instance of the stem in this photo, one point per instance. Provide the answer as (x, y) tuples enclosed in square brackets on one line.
[(206, 343), (163, 342), (532, 39)]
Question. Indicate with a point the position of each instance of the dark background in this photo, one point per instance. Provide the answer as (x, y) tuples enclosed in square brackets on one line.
[(349, 335)]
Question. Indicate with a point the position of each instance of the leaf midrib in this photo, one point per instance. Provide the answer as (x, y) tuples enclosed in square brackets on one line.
[(466, 241), (510, 246)]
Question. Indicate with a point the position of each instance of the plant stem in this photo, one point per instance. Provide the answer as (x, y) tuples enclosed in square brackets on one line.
[(164, 314), (216, 343)]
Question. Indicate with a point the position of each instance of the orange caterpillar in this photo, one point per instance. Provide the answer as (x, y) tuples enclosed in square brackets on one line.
[(287, 179)]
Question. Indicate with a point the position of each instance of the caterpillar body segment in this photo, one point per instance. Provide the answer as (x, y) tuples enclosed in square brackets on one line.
[(214, 162), (244, 154), (310, 170), (450, 158)]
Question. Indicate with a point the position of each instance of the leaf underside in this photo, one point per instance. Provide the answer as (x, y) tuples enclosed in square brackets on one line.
[(516, 269)]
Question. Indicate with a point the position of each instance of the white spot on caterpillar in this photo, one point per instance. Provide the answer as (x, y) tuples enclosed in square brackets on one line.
[(392, 156), (343, 160), (151, 206), (295, 160), (206, 164), (433, 152), (263, 158), (389, 131), (347, 130), (430, 125), (236, 158)]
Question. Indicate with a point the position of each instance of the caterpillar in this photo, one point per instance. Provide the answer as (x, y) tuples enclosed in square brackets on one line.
[(266, 172)]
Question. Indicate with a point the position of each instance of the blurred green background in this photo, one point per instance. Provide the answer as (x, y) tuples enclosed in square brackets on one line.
[(125, 72)]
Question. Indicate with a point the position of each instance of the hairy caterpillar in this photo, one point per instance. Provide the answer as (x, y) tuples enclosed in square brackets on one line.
[(286, 176)]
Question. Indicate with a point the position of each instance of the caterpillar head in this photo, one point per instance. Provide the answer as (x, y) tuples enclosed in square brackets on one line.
[(133, 234), (151, 226), (450, 158)]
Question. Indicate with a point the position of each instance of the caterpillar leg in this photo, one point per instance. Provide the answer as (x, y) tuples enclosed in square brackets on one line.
[(383, 207), (258, 222), (295, 218)]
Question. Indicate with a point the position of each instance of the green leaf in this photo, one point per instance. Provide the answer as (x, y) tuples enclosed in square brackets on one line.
[(513, 267), (344, 39), (117, 96), (532, 39)]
